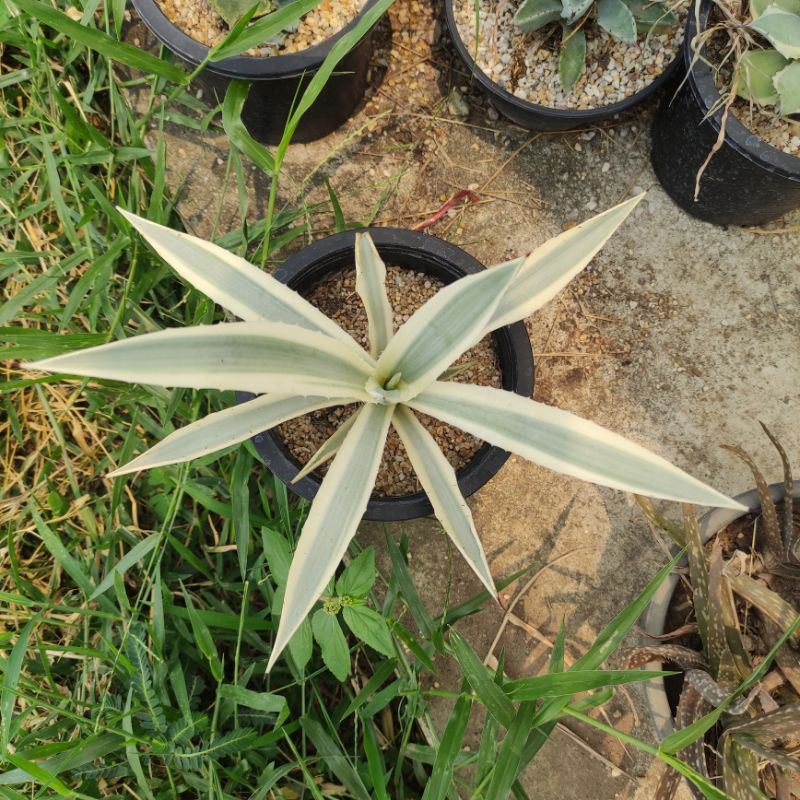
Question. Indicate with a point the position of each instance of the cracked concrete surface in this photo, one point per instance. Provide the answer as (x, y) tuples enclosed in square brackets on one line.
[(680, 336)]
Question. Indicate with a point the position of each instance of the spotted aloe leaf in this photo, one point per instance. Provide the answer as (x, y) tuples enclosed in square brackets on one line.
[(768, 602), (781, 28), (787, 532), (698, 577), (769, 754), (740, 771), (675, 531), (684, 657), (714, 694), (535, 14), (783, 722)]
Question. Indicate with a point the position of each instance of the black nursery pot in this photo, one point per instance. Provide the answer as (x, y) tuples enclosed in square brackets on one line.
[(654, 619), (439, 259), (543, 118), (277, 80), (747, 182)]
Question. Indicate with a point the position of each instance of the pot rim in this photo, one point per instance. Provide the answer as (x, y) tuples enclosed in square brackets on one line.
[(517, 365), (254, 68), (579, 115), (747, 143), (711, 523)]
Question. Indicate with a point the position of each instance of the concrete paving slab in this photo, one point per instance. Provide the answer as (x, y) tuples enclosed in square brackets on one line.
[(680, 335)]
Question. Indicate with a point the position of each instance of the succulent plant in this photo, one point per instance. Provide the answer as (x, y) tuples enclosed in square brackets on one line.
[(623, 19), (771, 76), (233, 10), (298, 360), (762, 580)]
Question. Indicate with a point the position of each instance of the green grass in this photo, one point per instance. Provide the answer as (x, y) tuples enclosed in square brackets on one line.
[(136, 615)]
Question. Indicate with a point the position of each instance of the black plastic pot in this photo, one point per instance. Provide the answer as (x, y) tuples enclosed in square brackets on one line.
[(654, 619), (277, 80), (542, 118), (747, 182), (418, 251)]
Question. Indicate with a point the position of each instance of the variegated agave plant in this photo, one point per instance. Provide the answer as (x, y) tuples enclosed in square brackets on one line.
[(766, 581), (298, 360)]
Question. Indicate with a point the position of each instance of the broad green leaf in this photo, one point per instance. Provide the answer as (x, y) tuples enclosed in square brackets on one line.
[(439, 332), (442, 779), (559, 648), (11, 669), (787, 82), (358, 576), (222, 429), (39, 774), (371, 288), (335, 759), (781, 28), (133, 556), (248, 356), (549, 268), (615, 17), (438, 479), (264, 29), (482, 681), (767, 601), (332, 643), (369, 626), (202, 636), (758, 7), (240, 287), (651, 17), (327, 450), (511, 757), (573, 10), (572, 60), (755, 73), (235, 97), (333, 519), (558, 684), (279, 554), (535, 14), (562, 441)]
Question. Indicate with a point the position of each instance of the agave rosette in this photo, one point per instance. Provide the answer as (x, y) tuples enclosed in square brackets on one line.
[(298, 361)]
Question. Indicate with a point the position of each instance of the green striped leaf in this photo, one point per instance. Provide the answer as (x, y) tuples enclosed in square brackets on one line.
[(371, 288)]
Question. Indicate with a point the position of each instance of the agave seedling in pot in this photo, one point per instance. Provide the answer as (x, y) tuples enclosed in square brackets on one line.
[(297, 360), (738, 710)]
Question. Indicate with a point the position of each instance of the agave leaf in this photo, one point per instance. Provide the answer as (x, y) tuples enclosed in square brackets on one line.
[(788, 517), (758, 7), (439, 332), (222, 429), (328, 449), (572, 59), (573, 10), (787, 82), (768, 602), (772, 545), (684, 657), (562, 441), (535, 14), (755, 73), (249, 356), (333, 519), (549, 268), (781, 28), (698, 577), (234, 283), (616, 18), (371, 288), (439, 481)]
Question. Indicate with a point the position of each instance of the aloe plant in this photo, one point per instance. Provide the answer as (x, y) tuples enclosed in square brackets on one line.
[(623, 19), (770, 77), (713, 676), (299, 361)]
